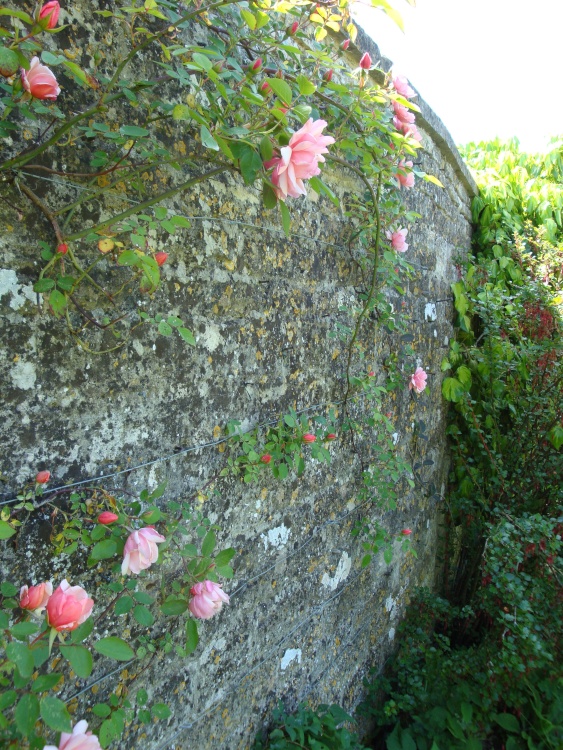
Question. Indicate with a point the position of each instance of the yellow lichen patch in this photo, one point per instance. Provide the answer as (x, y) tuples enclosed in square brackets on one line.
[(229, 265), (295, 375), (210, 359), (217, 432), (16, 358), (259, 355), (216, 309), (335, 354), (221, 448), (103, 180), (180, 146), (95, 689), (264, 493), (217, 659)]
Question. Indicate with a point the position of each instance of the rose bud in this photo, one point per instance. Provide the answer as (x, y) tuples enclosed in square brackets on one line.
[(68, 607), (80, 739), (39, 81), (42, 477), (140, 550), (371, 374), (161, 258), (330, 436), (345, 44), (34, 598), (328, 75), (107, 517), (308, 437), (266, 458), (207, 599), (365, 61), (293, 28), (265, 87), (9, 62), (218, 66), (256, 65), (62, 249), (51, 12), (406, 532)]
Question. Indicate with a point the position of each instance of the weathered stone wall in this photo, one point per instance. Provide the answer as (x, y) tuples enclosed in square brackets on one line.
[(304, 621)]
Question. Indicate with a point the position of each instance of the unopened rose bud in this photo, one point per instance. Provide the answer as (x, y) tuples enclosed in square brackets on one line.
[(330, 436), (406, 532), (256, 65), (308, 437), (293, 28), (51, 12), (265, 87), (62, 249), (266, 458), (107, 517), (365, 61), (161, 258), (345, 44), (9, 62), (371, 374), (42, 477), (218, 66), (328, 75)]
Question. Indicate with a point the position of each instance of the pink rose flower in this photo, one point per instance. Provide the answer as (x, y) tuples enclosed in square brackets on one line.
[(398, 240), (51, 10), (207, 599), (405, 180), (411, 131), (42, 477), (406, 532), (140, 550), (160, 258), (345, 44), (80, 739), (402, 87), (107, 517), (418, 380), (40, 81), (402, 114), (365, 61), (299, 159), (68, 607), (34, 598), (266, 458)]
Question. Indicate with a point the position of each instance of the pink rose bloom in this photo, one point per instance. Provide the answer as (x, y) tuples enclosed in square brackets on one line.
[(418, 380), (402, 87), (140, 550), (411, 131), (40, 81), (80, 739), (207, 599), (365, 61), (35, 598), (402, 113), (406, 532), (299, 159), (68, 607), (405, 180), (398, 240), (51, 9)]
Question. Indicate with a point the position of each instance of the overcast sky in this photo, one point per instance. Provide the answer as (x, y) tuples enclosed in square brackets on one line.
[(487, 67)]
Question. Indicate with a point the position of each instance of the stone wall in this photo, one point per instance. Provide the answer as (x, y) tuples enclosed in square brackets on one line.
[(305, 621)]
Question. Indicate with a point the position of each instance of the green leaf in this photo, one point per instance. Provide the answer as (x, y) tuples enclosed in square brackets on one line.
[(50, 59), (208, 544), (45, 682), (22, 657), (82, 631), (187, 335), (286, 218), (282, 89), (80, 659), (164, 329), (8, 699), (16, 14), (181, 112), (54, 713), (114, 648), (305, 86), (174, 607), (508, 722), (123, 605), (180, 221), (452, 390), (143, 616), (225, 556), (26, 713), (129, 258), (192, 637), (388, 555), (463, 374), (104, 550), (249, 18), (102, 710), (207, 139), (250, 165), (161, 711), (7, 588), (57, 301), (22, 629), (556, 436), (320, 188), (203, 61), (266, 148), (133, 131), (43, 285), (269, 197), (302, 112)]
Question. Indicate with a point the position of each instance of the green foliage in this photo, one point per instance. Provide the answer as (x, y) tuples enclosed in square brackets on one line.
[(308, 728)]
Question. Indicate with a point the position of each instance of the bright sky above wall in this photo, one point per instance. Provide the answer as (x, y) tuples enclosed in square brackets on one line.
[(487, 67)]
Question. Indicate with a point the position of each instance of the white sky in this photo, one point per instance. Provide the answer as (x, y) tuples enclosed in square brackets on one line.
[(487, 67)]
